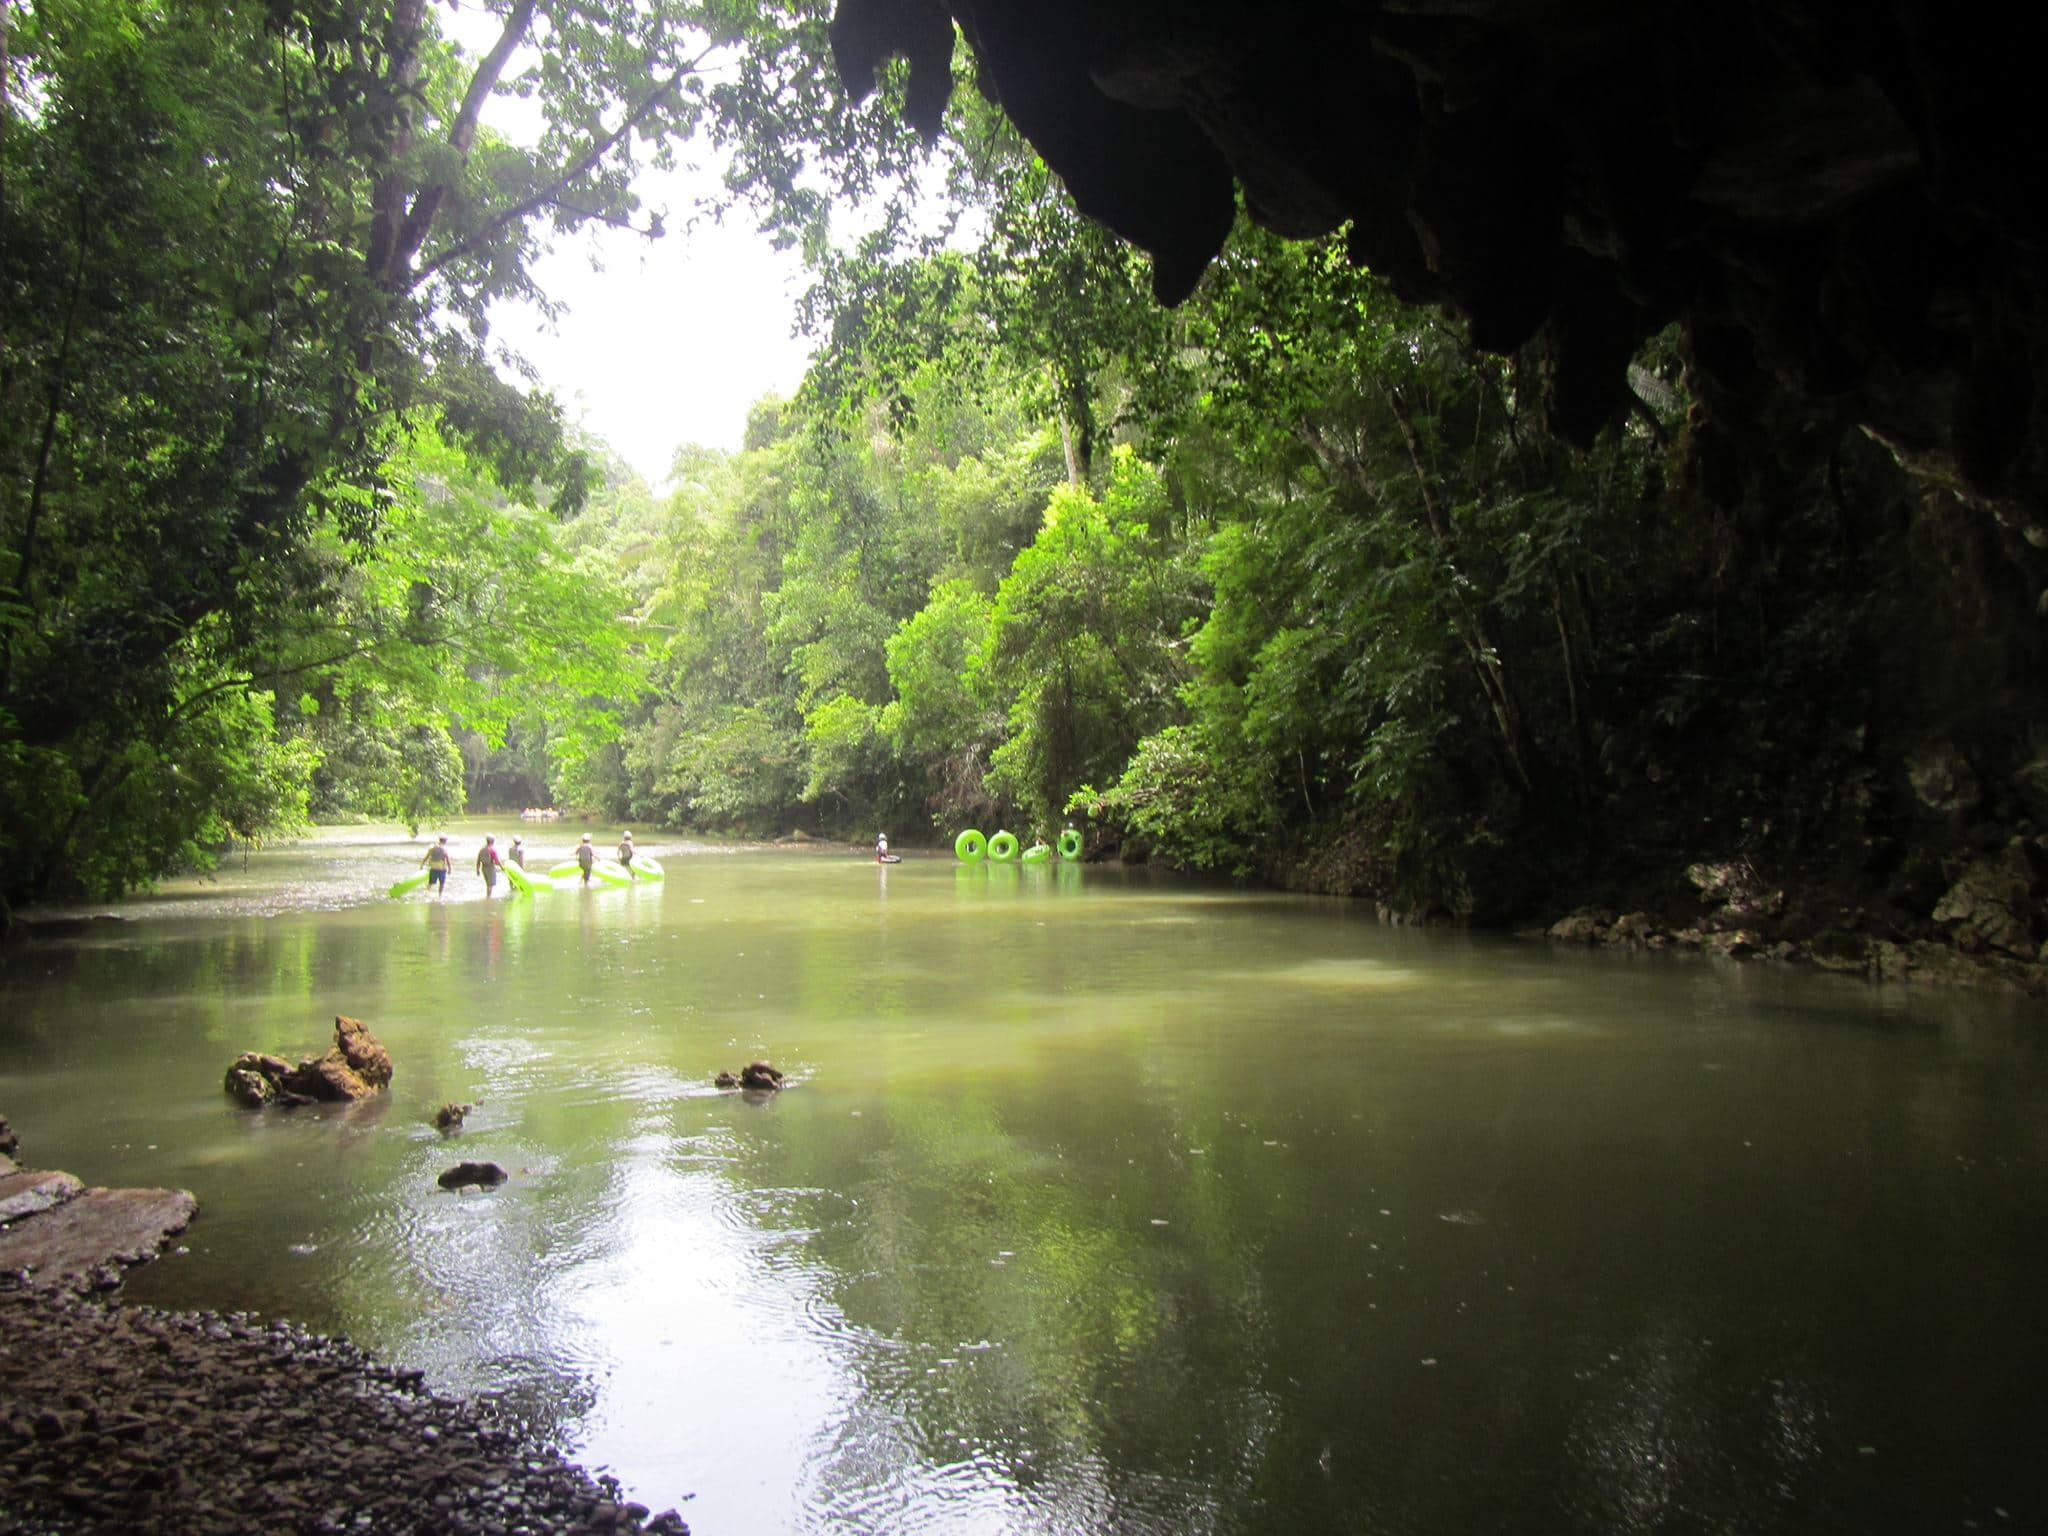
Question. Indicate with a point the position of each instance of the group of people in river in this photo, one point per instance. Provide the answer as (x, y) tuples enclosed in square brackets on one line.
[(491, 860)]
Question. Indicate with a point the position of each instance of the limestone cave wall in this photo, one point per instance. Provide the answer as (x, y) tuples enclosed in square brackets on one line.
[(1841, 202)]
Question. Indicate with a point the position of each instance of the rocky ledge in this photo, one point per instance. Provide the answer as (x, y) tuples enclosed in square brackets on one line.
[(1985, 931), (118, 1418)]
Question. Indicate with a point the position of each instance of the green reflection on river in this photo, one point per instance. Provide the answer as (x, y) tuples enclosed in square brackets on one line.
[(1097, 1202)]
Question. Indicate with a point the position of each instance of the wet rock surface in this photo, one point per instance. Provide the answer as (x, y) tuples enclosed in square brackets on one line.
[(355, 1068), (755, 1077), (116, 1418), (85, 1240), (449, 1117), (471, 1175), (26, 1194), (1985, 931)]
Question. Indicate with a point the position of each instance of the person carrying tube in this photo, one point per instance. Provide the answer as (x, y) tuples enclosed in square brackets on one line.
[(518, 853), (488, 861), (586, 856), (437, 864), (626, 851)]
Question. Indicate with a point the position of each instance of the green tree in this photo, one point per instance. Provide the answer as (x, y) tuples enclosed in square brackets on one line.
[(241, 243), (1086, 647)]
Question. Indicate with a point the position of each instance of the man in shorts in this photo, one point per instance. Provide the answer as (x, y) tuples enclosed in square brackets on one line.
[(438, 863), (488, 860), (586, 856)]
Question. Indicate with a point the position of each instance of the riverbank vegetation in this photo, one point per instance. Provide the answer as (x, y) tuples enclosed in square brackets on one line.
[(1289, 582)]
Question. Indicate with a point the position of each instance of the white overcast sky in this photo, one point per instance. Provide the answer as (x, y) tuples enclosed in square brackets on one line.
[(671, 341), (664, 342)]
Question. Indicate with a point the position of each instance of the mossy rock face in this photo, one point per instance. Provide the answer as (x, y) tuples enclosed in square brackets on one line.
[(357, 1067), (1837, 949)]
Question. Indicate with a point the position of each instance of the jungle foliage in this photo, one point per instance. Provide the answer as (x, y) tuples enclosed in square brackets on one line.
[(262, 551), (1288, 582)]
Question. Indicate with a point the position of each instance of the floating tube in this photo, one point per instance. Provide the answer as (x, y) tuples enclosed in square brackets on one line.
[(409, 884), (1037, 853), (1003, 847), (523, 881), (603, 872), (647, 868), (1070, 844), (969, 846)]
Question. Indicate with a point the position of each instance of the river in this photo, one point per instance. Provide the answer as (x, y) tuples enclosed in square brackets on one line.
[(1098, 1201)]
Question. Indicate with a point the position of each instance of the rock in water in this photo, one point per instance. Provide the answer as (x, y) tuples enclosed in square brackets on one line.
[(363, 1052), (357, 1067), (83, 1242), (256, 1079), (449, 1117), (757, 1076), (481, 1175)]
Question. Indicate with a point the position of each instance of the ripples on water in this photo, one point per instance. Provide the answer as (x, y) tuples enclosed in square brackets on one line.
[(1097, 1203)]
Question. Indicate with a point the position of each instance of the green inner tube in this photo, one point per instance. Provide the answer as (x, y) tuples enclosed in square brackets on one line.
[(969, 846), (1070, 844), (1037, 853), (603, 872), (523, 882), (409, 884), (647, 868), (1003, 847)]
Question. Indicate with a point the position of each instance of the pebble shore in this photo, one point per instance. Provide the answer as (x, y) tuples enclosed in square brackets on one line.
[(120, 1418)]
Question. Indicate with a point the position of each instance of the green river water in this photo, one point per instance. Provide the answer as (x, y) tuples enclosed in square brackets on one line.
[(1097, 1201)]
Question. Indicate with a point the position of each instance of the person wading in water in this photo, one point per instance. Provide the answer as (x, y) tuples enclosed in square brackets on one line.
[(437, 865), (488, 862)]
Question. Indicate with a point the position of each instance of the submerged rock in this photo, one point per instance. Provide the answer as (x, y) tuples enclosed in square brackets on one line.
[(473, 1175), (757, 1076), (449, 1117)]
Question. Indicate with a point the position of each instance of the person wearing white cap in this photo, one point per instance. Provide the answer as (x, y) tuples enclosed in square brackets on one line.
[(586, 856), (438, 863), (518, 853), (488, 862), (626, 851)]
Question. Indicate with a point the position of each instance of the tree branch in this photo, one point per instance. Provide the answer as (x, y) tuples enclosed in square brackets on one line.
[(549, 194), (462, 134)]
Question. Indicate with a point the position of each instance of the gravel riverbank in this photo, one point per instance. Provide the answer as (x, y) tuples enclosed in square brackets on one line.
[(120, 1418)]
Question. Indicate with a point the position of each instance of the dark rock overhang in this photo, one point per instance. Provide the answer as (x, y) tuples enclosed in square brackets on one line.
[(1840, 201)]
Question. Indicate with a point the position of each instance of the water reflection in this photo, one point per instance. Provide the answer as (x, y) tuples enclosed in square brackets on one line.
[(1099, 1203)]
